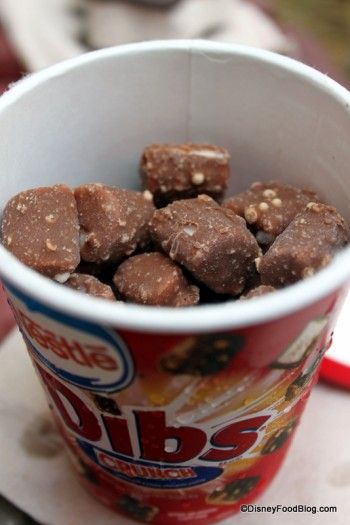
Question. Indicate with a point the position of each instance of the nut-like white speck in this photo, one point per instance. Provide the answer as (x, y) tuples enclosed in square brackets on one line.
[(125, 238), (326, 260), (257, 262), (189, 230), (205, 198), (21, 208), (307, 272), (50, 245), (82, 238), (198, 178), (250, 214), (50, 219), (269, 194), (147, 195), (62, 277), (9, 240), (94, 242), (277, 203), (263, 206), (314, 206)]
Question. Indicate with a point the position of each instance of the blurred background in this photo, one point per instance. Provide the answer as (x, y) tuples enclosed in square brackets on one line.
[(37, 33)]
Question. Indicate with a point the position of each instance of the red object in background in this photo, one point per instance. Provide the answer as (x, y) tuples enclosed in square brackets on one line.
[(10, 68), (335, 372), (10, 71)]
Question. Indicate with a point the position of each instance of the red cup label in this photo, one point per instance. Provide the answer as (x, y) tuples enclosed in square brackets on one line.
[(148, 417), (148, 447)]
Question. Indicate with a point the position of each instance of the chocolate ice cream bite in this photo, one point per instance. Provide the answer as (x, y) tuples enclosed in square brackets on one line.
[(178, 171), (40, 227), (113, 221), (213, 243), (90, 285), (154, 279), (306, 245)]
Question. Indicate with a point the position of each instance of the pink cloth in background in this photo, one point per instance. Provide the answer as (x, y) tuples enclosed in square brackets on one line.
[(10, 71), (6, 317)]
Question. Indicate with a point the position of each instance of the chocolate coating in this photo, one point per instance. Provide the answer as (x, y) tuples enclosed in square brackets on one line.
[(213, 243), (40, 227), (270, 207), (258, 292), (113, 221), (179, 171), (90, 285), (306, 245), (154, 279)]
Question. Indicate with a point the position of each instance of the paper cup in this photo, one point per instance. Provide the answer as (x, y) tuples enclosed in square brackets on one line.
[(176, 415)]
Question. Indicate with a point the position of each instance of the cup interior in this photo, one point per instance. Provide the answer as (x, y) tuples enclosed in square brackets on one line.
[(89, 119)]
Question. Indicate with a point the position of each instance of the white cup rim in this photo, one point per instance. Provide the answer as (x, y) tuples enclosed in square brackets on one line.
[(204, 318)]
